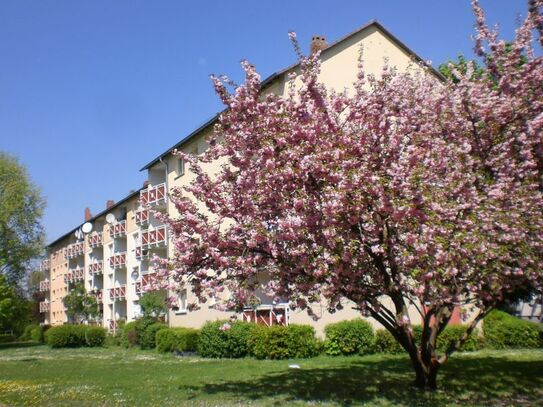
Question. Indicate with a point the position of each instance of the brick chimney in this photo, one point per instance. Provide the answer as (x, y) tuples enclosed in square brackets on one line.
[(145, 184), (110, 203), (88, 214), (318, 43)]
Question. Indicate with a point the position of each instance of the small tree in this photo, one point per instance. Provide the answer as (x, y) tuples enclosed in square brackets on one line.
[(14, 308), (408, 192), (81, 306), (152, 304)]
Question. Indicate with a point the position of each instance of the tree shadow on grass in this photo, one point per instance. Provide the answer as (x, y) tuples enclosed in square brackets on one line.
[(478, 380), (11, 345)]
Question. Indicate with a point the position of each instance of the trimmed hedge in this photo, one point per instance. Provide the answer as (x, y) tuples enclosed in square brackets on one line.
[(284, 342), (386, 343), (349, 338), (27, 333), (224, 339), (147, 335), (502, 331), (177, 339), (73, 336)]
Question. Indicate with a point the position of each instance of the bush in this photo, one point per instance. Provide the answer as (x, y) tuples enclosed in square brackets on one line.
[(224, 339), (147, 334), (453, 333), (36, 334), (283, 342), (177, 339), (502, 331), (129, 335), (74, 336), (7, 338), (66, 336), (95, 336), (27, 333), (386, 343), (349, 338)]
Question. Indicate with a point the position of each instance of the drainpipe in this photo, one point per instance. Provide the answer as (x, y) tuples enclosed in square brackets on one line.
[(167, 170)]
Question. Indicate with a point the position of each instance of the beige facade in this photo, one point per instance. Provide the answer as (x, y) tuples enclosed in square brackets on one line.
[(339, 71)]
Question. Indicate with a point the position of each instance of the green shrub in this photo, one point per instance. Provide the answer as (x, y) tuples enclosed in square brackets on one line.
[(95, 336), (66, 336), (129, 335), (147, 335), (27, 333), (283, 342), (7, 338), (452, 333), (36, 334), (349, 338), (177, 339), (502, 330), (224, 339), (386, 343)]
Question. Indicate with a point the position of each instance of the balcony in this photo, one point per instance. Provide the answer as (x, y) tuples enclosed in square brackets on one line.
[(96, 268), (144, 283), (74, 250), (153, 195), (118, 260), (74, 275), (153, 238), (44, 306), (117, 293), (142, 217), (141, 253), (113, 325), (97, 294), (45, 265), (45, 285), (96, 239), (118, 229)]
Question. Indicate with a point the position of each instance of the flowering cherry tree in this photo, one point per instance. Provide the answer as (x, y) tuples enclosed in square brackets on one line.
[(408, 192)]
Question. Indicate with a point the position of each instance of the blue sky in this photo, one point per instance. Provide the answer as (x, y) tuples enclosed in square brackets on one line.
[(90, 91)]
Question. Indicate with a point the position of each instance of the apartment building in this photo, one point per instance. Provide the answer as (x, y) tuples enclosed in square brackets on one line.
[(113, 259)]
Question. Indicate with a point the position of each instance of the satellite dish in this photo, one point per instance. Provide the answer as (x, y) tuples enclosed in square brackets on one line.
[(135, 274), (86, 228), (78, 234), (110, 218)]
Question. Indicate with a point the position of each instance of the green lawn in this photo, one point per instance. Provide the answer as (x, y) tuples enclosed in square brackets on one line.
[(94, 377)]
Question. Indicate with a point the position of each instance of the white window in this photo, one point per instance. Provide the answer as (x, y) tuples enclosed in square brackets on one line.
[(181, 167), (182, 302)]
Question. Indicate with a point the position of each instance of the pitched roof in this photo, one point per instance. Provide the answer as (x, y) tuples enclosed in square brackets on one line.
[(272, 77), (122, 201)]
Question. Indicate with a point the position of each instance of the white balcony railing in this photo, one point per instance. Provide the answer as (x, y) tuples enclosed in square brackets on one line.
[(45, 265), (142, 217), (74, 250), (153, 238), (45, 285), (118, 260), (118, 229), (144, 283), (96, 267), (117, 293), (44, 306), (96, 239), (155, 195)]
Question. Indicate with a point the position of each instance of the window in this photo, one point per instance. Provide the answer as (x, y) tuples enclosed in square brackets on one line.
[(181, 167), (181, 302)]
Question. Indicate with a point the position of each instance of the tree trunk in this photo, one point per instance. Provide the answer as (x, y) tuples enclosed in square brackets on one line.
[(425, 375)]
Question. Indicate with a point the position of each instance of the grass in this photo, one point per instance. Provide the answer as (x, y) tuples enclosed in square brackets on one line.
[(117, 377)]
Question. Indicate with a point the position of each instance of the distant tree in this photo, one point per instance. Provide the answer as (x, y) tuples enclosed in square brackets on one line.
[(14, 307), (406, 193), (450, 69), (21, 210), (35, 295), (80, 306)]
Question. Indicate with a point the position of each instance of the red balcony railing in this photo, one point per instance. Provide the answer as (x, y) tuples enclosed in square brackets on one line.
[(118, 229), (154, 238), (117, 260), (141, 253), (113, 325), (117, 293), (96, 239), (153, 195), (44, 306), (142, 217), (96, 268), (144, 283), (97, 294), (45, 285), (74, 275), (45, 265), (74, 250)]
